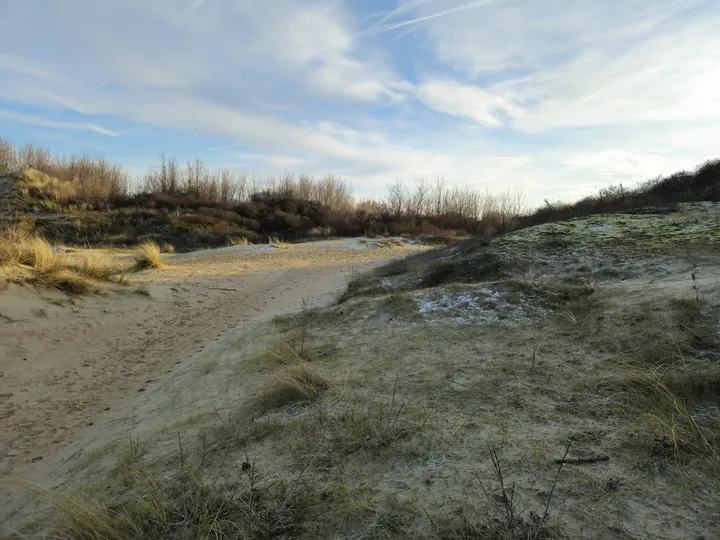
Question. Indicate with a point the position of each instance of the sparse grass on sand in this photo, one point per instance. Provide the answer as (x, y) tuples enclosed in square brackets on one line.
[(240, 241), (143, 290), (148, 255), (28, 257), (277, 243), (593, 416), (96, 266)]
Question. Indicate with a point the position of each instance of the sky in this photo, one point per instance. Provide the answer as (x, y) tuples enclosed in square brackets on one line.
[(555, 97)]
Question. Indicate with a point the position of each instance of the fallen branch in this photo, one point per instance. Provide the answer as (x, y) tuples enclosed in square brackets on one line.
[(581, 460)]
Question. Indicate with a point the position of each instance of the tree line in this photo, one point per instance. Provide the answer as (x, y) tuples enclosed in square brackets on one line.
[(96, 177)]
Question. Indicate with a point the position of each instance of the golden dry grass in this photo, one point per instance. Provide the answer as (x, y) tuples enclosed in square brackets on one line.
[(28, 257), (96, 266), (49, 186), (19, 247), (148, 255), (167, 247), (240, 241)]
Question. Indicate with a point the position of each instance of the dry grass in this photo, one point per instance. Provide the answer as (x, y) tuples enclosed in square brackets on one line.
[(28, 257), (79, 516), (64, 280), (376, 425), (18, 247), (148, 255), (296, 384), (167, 247), (142, 290), (96, 266), (664, 396), (196, 502), (240, 241), (277, 243), (48, 186), (285, 354)]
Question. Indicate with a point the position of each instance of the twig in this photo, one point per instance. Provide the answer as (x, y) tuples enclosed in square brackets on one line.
[(432, 521), (508, 502), (182, 457), (546, 512), (581, 460), (223, 289)]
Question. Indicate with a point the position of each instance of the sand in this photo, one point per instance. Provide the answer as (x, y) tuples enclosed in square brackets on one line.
[(69, 366)]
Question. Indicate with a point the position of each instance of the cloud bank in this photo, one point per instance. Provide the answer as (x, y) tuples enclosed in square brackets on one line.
[(556, 97)]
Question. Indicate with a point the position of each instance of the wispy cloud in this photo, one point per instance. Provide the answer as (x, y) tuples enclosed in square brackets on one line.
[(384, 26), (556, 97), (54, 124), (197, 4)]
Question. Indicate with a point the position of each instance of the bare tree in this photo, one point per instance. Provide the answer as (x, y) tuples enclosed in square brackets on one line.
[(396, 199), (438, 196), (510, 204), (417, 203), (227, 186), (8, 158)]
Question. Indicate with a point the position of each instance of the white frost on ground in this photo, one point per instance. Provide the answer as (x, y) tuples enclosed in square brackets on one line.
[(386, 282), (229, 249), (481, 306), (356, 245), (365, 243), (697, 227)]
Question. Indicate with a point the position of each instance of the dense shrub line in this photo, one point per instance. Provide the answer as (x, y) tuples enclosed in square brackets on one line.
[(194, 204)]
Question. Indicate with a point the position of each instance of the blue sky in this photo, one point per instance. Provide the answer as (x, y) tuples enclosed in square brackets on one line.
[(556, 97)]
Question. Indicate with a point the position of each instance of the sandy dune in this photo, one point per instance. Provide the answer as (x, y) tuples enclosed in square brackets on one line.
[(68, 366)]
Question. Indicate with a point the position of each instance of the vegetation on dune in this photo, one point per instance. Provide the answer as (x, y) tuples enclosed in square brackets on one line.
[(148, 255), (367, 419), (517, 385), (84, 200), (27, 257)]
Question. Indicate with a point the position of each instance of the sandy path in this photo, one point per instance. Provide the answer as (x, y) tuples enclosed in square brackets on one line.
[(64, 365)]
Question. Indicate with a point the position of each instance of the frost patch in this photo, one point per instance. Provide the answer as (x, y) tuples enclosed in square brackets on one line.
[(698, 227), (481, 306), (228, 249)]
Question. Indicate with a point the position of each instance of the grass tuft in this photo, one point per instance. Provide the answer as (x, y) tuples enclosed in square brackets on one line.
[(19, 247), (148, 255), (143, 290), (31, 259), (299, 383), (662, 397)]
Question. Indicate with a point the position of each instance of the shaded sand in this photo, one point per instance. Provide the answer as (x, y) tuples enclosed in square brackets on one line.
[(68, 364)]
